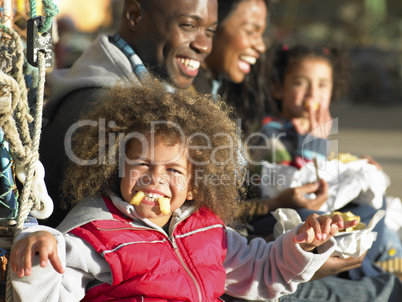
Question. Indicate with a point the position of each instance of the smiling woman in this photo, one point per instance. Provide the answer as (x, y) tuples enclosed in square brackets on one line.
[(238, 45), (238, 42)]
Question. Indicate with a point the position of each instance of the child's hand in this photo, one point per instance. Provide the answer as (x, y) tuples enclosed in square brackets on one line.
[(317, 229), (318, 122), (372, 161), (24, 250)]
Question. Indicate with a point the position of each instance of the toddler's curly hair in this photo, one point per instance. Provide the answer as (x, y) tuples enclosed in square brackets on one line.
[(215, 144)]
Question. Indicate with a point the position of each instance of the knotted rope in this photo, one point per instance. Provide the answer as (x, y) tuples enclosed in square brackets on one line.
[(50, 10), (15, 123)]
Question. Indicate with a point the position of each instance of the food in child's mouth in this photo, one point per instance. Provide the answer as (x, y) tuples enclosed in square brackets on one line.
[(137, 198), (164, 204), (313, 105)]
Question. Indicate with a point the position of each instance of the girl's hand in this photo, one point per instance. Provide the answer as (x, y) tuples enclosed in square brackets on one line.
[(24, 250), (318, 122), (372, 161), (318, 229)]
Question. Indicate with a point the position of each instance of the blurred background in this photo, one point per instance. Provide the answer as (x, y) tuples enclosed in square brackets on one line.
[(370, 115)]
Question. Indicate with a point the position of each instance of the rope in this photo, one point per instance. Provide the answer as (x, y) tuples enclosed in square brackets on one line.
[(20, 139), (8, 124), (25, 206), (25, 201), (16, 132), (50, 9), (8, 184), (32, 8)]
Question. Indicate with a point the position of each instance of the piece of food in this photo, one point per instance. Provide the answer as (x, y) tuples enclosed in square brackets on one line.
[(343, 157), (314, 105), (164, 204), (349, 216), (137, 198)]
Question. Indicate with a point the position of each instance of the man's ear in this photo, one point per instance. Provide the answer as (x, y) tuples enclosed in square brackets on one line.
[(133, 13)]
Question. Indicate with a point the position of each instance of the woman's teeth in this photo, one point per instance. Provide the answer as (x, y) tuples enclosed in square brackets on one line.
[(190, 63), (249, 59)]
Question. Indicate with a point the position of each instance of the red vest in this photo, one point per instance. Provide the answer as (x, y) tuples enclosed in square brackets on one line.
[(148, 266)]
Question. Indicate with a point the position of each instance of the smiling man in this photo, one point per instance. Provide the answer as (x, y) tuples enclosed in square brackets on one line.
[(171, 37), (168, 39)]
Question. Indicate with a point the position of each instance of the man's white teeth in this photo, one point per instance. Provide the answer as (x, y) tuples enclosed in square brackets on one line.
[(190, 63), (249, 59)]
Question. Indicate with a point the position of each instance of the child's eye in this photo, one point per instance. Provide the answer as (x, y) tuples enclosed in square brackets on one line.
[(175, 171), (140, 165)]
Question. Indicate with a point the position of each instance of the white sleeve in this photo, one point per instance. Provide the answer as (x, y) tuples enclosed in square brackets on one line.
[(82, 265), (259, 270)]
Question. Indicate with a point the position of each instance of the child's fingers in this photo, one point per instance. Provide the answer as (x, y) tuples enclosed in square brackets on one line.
[(28, 262), (321, 226), (314, 222), (56, 263), (24, 251), (16, 265), (300, 238), (337, 221), (43, 257), (18, 258), (311, 228), (325, 223), (350, 224), (314, 116)]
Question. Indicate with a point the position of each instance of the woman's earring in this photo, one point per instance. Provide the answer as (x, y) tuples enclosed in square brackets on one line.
[(189, 196)]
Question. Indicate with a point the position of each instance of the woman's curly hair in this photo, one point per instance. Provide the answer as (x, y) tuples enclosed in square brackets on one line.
[(208, 127)]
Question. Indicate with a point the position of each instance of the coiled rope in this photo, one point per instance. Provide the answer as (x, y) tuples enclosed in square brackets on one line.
[(26, 150), (16, 126)]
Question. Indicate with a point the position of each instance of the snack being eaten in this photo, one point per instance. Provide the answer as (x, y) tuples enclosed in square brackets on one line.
[(349, 216), (164, 204), (137, 198), (313, 105)]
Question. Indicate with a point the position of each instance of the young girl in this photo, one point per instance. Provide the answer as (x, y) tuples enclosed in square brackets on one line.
[(156, 176), (303, 82)]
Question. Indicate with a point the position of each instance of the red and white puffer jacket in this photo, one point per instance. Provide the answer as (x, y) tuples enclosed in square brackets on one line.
[(147, 265)]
